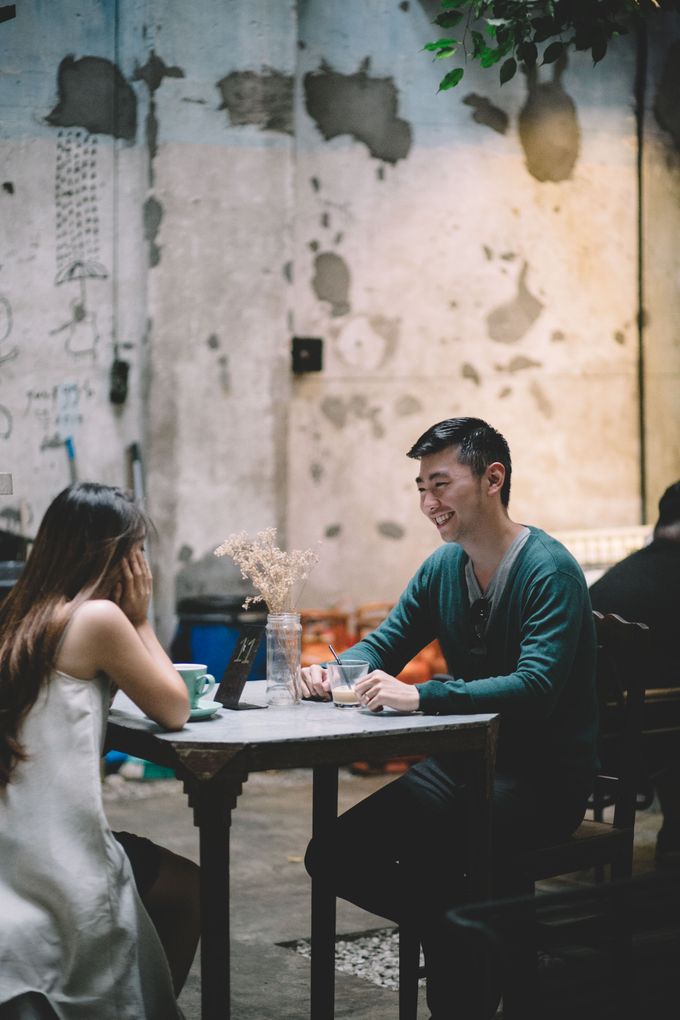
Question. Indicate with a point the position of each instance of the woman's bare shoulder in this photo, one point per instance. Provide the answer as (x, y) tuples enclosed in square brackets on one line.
[(98, 613)]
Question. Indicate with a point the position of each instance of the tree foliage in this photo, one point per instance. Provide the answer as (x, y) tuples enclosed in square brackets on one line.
[(511, 33)]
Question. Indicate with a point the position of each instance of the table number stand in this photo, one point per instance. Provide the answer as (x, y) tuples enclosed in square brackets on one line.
[(237, 670)]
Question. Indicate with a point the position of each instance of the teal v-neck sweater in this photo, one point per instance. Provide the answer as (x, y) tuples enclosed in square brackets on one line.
[(539, 667)]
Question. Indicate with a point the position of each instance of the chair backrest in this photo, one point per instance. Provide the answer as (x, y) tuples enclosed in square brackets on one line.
[(622, 647)]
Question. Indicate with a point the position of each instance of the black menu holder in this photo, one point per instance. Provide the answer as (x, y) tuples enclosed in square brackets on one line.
[(236, 673)]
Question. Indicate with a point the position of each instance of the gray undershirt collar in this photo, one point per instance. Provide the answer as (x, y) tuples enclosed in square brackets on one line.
[(500, 575)]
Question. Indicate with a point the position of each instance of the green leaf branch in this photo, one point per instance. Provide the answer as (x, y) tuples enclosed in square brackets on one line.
[(522, 33)]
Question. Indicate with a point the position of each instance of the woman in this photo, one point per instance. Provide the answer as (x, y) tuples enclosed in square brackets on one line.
[(75, 938)]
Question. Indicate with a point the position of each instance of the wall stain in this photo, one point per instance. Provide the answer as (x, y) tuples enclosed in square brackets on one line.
[(388, 329), (213, 342), (185, 553), (542, 402), (505, 392), (620, 336), (333, 530), (548, 127), (484, 112), (93, 94), (315, 183), (557, 336), (331, 282), (666, 109), (153, 214), (361, 106), (264, 100), (339, 411), (389, 529), (407, 405), (152, 74), (316, 471), (518, 364), (469, 371), (288, 271), (8, 187), (335, 410), (364, 342), (509, 322)]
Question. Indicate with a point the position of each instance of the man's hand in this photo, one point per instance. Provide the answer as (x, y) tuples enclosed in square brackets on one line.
[(378, 690), (315, 683)]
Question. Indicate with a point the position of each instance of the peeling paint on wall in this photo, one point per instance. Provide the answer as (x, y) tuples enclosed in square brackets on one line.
[(339, 411), (153, 214), (469, 371), (152, 74), (331, 281), (361, 106), (518, 364), (366, 342), (407, 405), (264, 100), (666, 109), (542, 402), (334, 409), (94, 95), (390, 529), (548, 127), (510, 321), (484, 112)]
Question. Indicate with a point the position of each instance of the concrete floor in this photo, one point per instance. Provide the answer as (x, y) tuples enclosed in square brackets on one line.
[(270, 888)]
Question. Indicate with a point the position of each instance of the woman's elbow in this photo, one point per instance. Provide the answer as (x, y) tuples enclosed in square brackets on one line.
[(175, 713)]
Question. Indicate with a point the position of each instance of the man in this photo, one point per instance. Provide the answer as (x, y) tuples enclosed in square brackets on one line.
[(510, 608), (645, 586)]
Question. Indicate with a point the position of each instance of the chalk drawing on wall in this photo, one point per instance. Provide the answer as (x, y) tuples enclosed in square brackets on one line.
[(75, 195), (59, 410), (7, 352), (77, 227), (5, 422)]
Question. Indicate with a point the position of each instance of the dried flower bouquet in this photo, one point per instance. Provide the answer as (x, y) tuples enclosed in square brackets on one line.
[(273, 572)]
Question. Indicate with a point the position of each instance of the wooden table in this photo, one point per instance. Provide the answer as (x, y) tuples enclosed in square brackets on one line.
[(214, 758)]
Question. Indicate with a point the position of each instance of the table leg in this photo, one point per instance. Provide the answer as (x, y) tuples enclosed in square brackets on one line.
[(212, 815), (479, 776), (324, 813)]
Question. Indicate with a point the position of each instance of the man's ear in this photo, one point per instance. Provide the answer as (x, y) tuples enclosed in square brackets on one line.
[(495, 477)]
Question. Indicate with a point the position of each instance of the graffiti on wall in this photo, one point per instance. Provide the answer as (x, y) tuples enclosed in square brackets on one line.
[(94, 98), (58, 410)]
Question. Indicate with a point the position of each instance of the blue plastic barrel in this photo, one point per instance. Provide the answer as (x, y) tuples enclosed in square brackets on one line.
[(207, 630)]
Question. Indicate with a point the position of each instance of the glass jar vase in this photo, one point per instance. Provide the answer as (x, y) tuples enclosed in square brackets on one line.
[(283, 659)]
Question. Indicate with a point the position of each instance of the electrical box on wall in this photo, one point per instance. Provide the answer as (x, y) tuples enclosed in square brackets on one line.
[(307, 353)]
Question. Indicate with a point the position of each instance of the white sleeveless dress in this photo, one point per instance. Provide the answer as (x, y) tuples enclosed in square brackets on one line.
[(72, 926)]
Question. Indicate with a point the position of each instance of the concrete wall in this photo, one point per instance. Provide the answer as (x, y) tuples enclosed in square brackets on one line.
[(257, 170)]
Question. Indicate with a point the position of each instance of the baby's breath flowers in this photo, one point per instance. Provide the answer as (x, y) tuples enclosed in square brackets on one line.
[(273, 572)]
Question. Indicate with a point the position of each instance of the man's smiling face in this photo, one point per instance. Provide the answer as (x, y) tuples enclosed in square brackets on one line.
[(450, 494)]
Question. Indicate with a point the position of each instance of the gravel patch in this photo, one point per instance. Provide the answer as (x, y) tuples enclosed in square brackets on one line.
[(371, 955)]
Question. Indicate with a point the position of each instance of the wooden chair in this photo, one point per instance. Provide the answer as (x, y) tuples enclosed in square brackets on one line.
[(621, 679)]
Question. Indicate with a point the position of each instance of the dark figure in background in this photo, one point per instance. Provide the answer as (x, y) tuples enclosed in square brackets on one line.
[(510, 608), (645, 586)]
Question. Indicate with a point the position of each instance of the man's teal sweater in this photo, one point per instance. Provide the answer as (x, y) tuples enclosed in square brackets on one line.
[(539, 669)]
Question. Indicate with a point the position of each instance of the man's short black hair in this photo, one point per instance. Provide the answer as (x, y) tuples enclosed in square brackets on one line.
[(477, 444)]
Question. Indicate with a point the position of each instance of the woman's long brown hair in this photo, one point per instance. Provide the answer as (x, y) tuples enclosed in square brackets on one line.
[(85, 534)]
